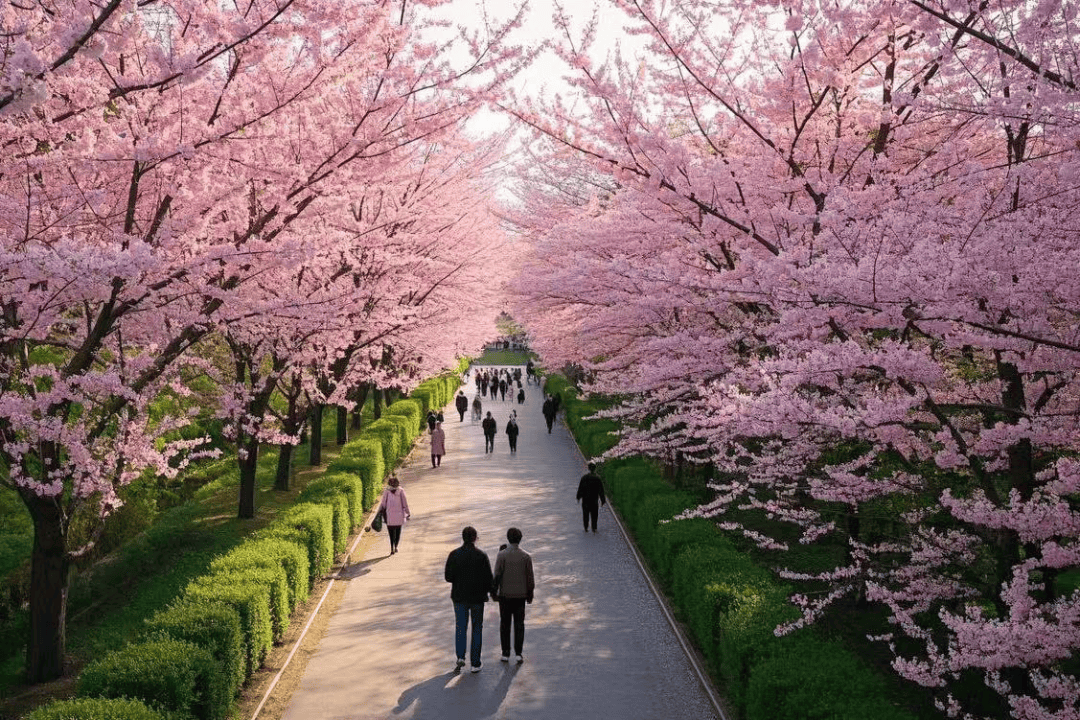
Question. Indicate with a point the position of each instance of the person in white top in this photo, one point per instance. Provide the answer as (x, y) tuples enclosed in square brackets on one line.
[(395, 510)]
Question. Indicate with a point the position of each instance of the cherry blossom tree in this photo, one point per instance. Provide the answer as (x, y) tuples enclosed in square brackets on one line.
[(159, 158), (831, 249)]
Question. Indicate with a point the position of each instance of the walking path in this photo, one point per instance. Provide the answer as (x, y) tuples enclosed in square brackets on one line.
[(597, 644)]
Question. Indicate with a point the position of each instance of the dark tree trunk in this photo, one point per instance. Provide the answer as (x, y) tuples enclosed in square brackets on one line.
[(49, 566), (284, 467), (377, 400), (360, 398), (342, 425), (315, 448), (249, 463)]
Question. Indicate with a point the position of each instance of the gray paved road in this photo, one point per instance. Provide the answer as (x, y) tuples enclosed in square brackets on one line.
[(596, 646)]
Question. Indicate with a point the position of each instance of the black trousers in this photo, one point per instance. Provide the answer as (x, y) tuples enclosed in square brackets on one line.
[(489, 443), (512, 610), (394, 531), (550, 420), (513, 444), (589, 513)]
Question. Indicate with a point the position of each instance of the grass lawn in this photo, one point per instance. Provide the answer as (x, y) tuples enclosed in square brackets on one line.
[(504, 357)]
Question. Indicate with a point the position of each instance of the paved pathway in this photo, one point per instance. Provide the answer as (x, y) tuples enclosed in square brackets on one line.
[(596, 643)]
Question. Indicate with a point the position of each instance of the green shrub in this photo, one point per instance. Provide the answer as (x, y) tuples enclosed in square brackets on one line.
[(262, 571), (363, 457), (422, 395), (644, 516), (732, 607), (632, 481), (342, 523), (290, 555), (412, 410), (809, 678), (95, 709), (388, 434), (214, 626), (348, 485), (406, 432), (170, 675), (252, 603), (315, 524), (673, 536)]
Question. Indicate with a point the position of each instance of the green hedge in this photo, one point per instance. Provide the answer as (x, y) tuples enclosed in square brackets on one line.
[(252, 604), (313, 525), (348, 485), (389, 435), (412, 410), (269, 575), (170, 675), (213, 626), (813, 679), (364, 458), (95, 709), (291, 556)]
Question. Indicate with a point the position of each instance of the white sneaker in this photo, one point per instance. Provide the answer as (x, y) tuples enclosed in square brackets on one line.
[(475, 668), (519, 659), (504, 658), (460, 662)]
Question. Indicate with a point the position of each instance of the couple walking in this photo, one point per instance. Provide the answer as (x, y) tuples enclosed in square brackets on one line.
[(472, 581)]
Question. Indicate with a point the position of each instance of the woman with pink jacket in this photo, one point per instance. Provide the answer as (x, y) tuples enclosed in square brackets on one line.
[(395, 509), (438, 445)]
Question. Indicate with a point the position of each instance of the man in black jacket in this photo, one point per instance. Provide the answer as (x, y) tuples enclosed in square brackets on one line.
[(549, 412), (462, 404), (590, 492), (490, 427), (468, 571)]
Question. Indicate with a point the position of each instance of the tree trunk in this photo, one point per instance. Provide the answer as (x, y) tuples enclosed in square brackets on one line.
[(315, 448), (342, 425), (284, 467), (249, 463), (49, 566), (360, 398), (377, 399)]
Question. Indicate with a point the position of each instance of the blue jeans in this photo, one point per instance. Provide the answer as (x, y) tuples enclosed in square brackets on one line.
[(462, 612)]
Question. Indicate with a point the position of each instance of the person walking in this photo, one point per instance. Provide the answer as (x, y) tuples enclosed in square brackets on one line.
[(513, 587), (590, 493), (468, 571), (549, 412), (477, 408), (521, 395), (394, 507), (512, 431), (431, 421), (462, 404), (438, 444), (490, 428), (502, 387)]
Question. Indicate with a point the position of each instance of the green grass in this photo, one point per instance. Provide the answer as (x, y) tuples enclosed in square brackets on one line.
[(504, 357), (109, 602)]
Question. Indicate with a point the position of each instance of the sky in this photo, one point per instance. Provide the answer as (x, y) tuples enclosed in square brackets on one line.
[(544, 75)]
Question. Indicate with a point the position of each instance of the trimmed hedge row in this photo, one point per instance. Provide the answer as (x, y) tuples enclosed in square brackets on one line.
[(730, 605)]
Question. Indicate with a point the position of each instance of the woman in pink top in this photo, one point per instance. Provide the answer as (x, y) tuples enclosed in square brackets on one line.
[(395, 508), (438, 445)]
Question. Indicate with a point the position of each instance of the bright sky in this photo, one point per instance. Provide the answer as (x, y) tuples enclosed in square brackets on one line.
[(545, 74)]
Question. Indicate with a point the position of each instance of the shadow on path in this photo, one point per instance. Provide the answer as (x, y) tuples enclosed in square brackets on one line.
[(360, 569), (456, 696)]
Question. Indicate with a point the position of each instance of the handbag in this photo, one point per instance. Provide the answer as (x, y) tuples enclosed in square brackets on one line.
[(377, 521)]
